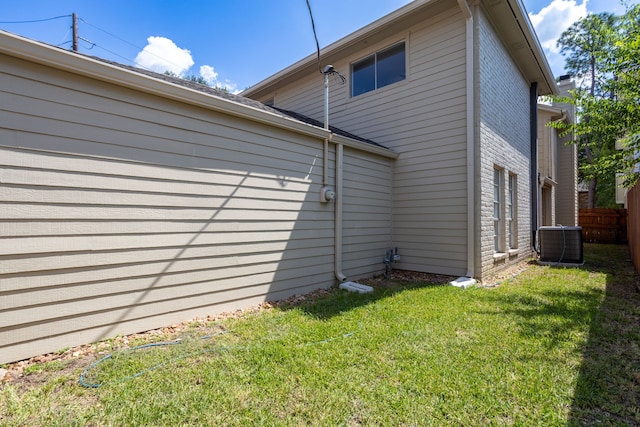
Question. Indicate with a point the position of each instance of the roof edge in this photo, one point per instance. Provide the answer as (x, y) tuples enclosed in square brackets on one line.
[(336, 46), (536, 48), (62, 59), (38, 52)]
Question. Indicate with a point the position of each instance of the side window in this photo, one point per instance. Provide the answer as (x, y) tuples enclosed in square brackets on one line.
[(498, 191), (378, 70), (512, 212)]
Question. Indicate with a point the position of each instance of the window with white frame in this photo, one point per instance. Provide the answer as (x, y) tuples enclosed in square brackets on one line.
[(498, 191), (512, 191), (381, 69)]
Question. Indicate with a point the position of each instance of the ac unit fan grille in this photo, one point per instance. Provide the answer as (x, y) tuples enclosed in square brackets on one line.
[(561, 244)]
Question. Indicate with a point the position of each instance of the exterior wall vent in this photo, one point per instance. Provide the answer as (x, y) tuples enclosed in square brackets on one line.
[(561, 245)]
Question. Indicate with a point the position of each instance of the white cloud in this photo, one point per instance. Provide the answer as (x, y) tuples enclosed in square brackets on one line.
[(208, 73), (161, 54), (551, 22)]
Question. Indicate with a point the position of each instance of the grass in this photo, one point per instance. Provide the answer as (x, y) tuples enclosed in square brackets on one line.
[(551, 346)]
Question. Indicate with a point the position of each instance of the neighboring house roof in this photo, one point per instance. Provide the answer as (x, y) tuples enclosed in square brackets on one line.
[(39, 52), (508, 17), (556, 112)]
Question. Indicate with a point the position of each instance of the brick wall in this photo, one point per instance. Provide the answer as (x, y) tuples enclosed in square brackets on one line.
[(504, 143)]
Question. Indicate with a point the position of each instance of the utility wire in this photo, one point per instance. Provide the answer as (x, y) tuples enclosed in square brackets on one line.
[(110, 34), (315, 36), (127, 42), (88, 41), (35, 20), (93, 44)]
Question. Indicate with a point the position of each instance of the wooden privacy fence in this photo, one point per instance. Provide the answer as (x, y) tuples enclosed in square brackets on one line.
[(603, 225), (633, 234)]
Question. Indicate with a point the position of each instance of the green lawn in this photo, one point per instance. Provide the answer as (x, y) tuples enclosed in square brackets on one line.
[(551, 346)]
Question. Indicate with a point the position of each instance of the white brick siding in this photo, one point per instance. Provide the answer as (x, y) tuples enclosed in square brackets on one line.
[(504, 143)]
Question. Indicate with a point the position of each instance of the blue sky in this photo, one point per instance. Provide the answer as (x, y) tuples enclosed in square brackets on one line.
[(236, 43)]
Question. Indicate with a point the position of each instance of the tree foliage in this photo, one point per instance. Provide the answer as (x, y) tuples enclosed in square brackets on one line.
[(603, 53), (196, 79)]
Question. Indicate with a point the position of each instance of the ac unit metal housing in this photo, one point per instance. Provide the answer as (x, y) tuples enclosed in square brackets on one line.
[(561, 245)]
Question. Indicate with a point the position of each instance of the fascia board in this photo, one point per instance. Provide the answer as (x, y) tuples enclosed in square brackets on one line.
[(33, 51), (363, 146), (335, 47)]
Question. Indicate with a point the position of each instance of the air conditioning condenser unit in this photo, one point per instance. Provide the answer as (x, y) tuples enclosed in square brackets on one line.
[(560, 245)]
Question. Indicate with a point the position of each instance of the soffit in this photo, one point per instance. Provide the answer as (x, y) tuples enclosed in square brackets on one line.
[(512, 24)]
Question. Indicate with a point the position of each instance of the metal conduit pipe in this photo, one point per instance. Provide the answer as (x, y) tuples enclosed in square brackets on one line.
[(337, 251), (338, 213)]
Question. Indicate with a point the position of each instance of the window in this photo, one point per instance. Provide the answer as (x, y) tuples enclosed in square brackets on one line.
[(378, 70), (512, 236), (497, 210)]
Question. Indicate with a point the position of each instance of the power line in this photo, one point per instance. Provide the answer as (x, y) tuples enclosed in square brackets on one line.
[(35, 20), (110, 34), (315, 36), (127, 42), (93, 44)]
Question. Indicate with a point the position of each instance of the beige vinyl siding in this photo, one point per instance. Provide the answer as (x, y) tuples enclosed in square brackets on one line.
[(547, 168), (567, 192), (121, 211), (366, 213), (423, 118), (567, 208)]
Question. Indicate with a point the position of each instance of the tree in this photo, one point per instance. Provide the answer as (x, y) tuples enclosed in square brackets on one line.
[(196, 79), (604, 53), (586, 45)]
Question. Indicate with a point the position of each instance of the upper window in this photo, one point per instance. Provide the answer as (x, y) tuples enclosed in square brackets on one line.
[(378, 70)]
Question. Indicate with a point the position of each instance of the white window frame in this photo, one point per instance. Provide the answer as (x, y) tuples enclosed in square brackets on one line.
[(498, 210), (512, 211), (374, 56)]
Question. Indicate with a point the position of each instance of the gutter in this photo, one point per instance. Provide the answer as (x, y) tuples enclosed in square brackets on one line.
[(61, 59), (535, 185)]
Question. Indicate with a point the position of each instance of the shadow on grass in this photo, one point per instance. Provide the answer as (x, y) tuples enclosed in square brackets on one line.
[(607, 391), (335, 301)]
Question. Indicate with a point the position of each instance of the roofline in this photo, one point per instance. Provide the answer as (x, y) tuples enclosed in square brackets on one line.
[(338, 45), (62, 59), (549, 108), (518, 11), (534, 44)]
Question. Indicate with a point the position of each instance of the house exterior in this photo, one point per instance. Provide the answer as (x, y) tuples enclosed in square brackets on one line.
[(452, 87), (557, 165), (129, 201)]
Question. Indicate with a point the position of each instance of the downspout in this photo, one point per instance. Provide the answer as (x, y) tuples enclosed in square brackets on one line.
[(470, 82), (338, 218), (535, 190)]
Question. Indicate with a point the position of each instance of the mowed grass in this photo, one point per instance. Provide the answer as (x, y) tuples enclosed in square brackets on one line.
[(551, 346)]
